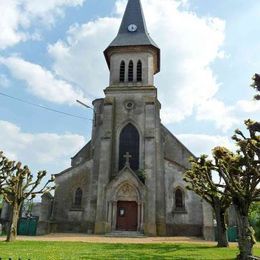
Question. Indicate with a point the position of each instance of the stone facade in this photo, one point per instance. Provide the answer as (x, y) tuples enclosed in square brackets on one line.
[(43, 210), (68, 216), (89, 194)]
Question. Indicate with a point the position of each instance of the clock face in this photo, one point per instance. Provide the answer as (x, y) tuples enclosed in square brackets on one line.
[(132, 28)]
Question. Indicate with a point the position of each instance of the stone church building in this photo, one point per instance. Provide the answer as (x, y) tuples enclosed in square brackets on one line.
[(129, 176)]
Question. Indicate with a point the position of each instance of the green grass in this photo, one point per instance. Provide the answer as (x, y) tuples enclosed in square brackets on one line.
[(76, 250)]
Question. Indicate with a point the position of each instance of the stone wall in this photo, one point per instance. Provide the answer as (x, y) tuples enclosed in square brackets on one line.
[(188, 221), (67, 217), (174, 150), (148, 57), (208, 223), (5, 215)]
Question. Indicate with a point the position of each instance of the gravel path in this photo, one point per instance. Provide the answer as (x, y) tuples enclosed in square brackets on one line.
[(105, 239), (115, 240)]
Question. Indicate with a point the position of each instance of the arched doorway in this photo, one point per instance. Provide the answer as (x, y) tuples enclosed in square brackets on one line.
[(127, 219), (127, 208), (125, 196)]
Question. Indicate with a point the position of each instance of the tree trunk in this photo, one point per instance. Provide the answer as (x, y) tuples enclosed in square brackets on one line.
[(12, 231), (221, 226), (245, 236)]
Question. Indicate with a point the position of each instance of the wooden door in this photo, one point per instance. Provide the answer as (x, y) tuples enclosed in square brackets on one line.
[(126, 216)]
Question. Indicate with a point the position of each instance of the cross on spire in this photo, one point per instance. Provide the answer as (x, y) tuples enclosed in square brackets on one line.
[(127, 157)]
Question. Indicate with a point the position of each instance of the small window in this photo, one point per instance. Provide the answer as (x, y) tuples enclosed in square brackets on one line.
[(139, 71), (179, 204), (122, 71), (131, 71), (78, 198)]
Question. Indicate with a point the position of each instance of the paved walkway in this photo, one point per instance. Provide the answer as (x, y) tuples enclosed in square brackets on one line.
[(104, 239)]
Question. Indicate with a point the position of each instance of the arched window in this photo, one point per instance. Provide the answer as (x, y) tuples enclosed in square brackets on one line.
[(129, 143), (179, 203), (122, 71), (131, 71), (78, 198), (139, 71)]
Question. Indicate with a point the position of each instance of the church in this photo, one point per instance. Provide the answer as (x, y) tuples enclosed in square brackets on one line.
[(129, 177)]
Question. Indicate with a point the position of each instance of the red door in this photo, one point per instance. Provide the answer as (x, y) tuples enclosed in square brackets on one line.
[(126, 216)]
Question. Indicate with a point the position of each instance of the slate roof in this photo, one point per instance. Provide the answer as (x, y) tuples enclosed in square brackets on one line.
[(133, 15)]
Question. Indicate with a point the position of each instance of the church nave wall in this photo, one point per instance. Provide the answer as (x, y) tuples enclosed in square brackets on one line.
[(72, 210), (186, 217)]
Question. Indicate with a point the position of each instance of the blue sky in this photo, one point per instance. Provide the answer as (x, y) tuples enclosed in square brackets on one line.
[(51, 54)]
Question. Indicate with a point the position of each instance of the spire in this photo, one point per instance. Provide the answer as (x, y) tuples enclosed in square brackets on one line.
[(133, 30), (133, 15)]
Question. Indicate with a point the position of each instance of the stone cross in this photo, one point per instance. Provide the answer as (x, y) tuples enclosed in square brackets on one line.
[(127, 158)]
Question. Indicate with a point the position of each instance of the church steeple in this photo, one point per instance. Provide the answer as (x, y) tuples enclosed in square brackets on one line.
[(137, 35), (133, 15), (133, 33)]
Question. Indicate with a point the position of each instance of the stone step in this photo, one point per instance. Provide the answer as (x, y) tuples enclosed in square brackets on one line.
[(125, 234)]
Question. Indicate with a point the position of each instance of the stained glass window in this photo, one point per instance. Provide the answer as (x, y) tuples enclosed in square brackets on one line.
[(78, 197), (129, 143), (179, 199)]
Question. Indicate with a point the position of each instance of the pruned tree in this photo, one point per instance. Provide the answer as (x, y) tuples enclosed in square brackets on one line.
[(1, 204), (200, 180), (256, 85), (16, 185), (241, 172), (254, 217)]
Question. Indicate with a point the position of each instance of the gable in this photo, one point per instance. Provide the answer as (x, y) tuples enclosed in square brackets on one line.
[(126, 177)]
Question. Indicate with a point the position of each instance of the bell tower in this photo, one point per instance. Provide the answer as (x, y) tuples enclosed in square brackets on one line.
[(133, 57), (127, 134)]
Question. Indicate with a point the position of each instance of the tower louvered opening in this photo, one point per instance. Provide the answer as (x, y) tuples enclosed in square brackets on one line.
[(131, 71), (122, 71), (139, 71)]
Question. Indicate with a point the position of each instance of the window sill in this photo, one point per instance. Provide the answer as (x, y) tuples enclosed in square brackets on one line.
[(180, 211), (76, 209)]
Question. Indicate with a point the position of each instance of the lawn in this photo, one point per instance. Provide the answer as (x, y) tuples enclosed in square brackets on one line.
[(25, 250)]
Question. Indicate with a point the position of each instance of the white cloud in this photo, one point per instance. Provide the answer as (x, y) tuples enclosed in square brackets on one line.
[(216, 111), (247, 106), (41, 150), (17, 16), (4, 81), (225, 117), (41, 82), (189, 44), (203, 144), (80, 59), (48, 10), (10, 21)]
